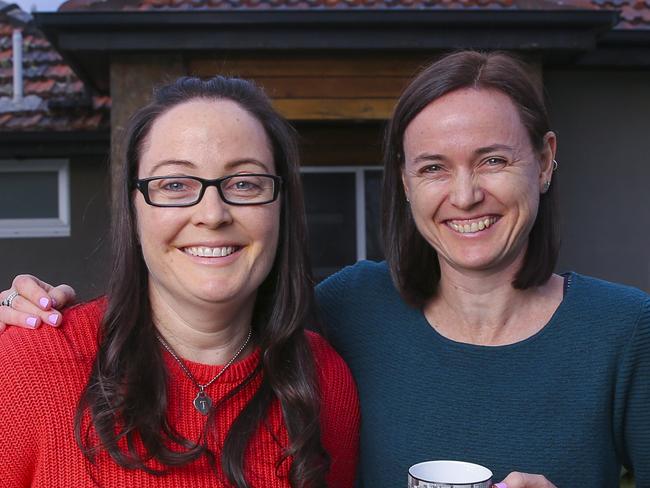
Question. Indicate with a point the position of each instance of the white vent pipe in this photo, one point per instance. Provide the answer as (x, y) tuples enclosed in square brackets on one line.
[(18, 65)]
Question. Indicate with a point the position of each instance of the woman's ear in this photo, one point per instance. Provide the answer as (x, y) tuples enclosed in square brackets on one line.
[(547, 161), (405, 186)]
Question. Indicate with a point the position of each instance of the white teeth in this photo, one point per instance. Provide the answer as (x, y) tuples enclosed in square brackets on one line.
[(472, 227), (210, 252)]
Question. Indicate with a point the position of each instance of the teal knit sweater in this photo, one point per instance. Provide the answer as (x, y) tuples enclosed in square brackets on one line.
[(571, 402)]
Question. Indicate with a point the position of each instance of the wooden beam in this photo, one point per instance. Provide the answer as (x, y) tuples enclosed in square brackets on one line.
[(247, 66), (333, 86), (335, 109)]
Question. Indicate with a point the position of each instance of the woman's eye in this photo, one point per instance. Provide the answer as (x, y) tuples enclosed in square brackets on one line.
[(174, 186), (432, 168), (244, 185), (495, 162)]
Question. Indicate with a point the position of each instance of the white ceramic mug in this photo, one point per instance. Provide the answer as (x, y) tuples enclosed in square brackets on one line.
[(449, 474)]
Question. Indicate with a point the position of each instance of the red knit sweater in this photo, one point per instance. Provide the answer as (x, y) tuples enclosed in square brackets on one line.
[(43, 373)]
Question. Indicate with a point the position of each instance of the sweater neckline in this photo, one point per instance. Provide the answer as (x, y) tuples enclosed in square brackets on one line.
[(568, 289)]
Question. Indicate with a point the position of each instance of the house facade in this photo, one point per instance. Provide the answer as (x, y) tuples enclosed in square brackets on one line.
[(334, 68), (54, 140)]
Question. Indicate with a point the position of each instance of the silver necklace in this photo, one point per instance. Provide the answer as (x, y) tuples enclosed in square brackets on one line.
[(203, 402)]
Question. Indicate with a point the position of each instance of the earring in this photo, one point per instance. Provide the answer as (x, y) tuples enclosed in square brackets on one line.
[(554, 165), (547, 185)]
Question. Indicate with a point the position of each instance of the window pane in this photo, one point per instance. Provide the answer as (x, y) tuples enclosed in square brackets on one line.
[(373, 218), (29, 195), (330, 203)]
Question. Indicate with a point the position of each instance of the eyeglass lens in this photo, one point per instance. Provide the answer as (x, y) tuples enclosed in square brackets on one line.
[(238, 189)]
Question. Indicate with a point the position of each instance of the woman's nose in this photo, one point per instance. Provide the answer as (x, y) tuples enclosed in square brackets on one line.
[(211, 211), (465, 190)]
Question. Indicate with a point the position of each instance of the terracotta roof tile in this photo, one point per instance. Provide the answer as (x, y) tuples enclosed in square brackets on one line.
[(57, 72), (635, 14), (53, 96), (38, 87)]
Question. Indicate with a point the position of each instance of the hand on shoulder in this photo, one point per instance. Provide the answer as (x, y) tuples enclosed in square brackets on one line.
[(30, 302)]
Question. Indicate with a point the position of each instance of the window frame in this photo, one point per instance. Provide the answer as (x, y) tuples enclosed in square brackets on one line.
[(360, 198), (35, 227)]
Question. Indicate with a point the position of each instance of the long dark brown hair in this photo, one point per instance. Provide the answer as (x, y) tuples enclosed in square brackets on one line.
[(413, 263), (125, 399)]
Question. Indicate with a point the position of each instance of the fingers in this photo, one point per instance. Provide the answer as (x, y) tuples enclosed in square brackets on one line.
[(525, 480), (34, 304), (23, 314), (33, 290), (42, 294), (62, 296)]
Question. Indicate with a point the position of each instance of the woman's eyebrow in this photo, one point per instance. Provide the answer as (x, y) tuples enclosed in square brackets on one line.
[(492, 148), (172, 162), (427, 158), (232, 165)]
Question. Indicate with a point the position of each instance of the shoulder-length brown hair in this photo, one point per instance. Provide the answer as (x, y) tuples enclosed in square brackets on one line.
[(413, 263), (126, 395)]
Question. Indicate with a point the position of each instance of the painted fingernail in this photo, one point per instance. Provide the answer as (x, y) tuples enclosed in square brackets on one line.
[(52, 319), (501, 485), (31, 322), (44, 302)]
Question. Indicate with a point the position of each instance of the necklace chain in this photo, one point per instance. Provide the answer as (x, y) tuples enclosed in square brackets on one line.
[(202, 402)]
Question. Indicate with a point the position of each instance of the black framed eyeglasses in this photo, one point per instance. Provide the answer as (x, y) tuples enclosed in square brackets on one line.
[(185, 191)]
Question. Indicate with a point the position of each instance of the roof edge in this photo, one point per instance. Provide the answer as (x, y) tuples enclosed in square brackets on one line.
[(87, 39)]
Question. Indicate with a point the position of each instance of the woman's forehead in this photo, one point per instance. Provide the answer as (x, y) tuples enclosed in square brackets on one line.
[(204, 131), (467, 117)]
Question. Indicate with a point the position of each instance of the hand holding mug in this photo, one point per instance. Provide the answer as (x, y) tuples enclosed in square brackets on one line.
[(459, 474), (525, 480)]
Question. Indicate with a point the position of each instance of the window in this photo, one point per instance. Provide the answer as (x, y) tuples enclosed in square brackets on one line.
[(343, 215), (35, 198)]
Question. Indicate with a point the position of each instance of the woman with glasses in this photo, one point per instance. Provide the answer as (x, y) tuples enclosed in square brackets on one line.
[(195, 369)]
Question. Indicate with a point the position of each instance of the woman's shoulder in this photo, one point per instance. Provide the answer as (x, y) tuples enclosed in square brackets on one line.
[(325, 357), (362, 270), (363, 277), (74, 339), (88, 313), (332, 371), (611, 307), (605, 294)]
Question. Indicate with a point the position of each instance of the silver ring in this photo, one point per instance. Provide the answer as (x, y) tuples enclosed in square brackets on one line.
[(9, 300)]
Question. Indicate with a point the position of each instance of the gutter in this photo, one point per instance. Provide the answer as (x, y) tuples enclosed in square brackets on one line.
[(34, 144), (87, 39)]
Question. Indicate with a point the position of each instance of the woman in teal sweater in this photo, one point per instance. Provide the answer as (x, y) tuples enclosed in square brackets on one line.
[(464, 343)]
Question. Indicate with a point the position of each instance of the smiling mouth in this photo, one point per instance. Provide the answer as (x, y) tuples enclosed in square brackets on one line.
[(471, 226), (210, 252)]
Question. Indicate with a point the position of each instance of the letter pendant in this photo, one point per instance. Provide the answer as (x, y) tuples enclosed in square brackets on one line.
[(202, 402)]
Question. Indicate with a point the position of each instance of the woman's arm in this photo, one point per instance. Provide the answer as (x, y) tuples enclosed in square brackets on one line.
[(18, 413), (37, 303), (631, 415), (339, 413)]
